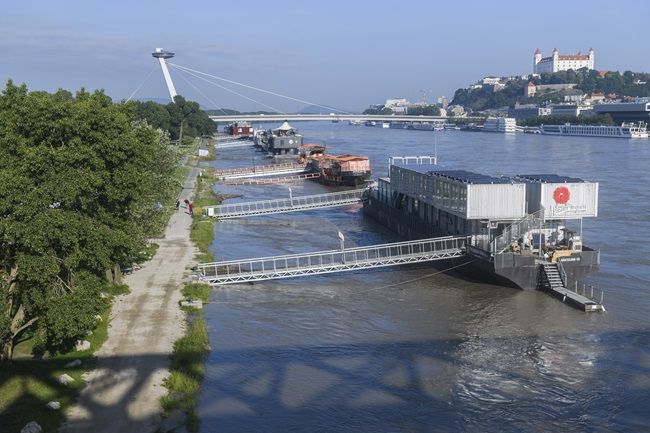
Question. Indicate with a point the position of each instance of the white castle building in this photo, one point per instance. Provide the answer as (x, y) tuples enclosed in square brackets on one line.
[(559, 62)]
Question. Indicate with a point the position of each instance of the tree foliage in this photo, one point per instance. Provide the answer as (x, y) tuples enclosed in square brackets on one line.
[(622, 84), (170, 117), (601, 119), (79, 181)]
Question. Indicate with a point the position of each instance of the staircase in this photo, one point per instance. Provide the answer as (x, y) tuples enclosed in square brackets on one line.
[(553, 278)]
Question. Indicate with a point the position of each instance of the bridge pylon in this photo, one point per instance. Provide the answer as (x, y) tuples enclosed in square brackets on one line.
[(162, 57)]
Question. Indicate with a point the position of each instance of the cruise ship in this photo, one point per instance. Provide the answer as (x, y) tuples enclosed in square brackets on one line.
[(626, 130), (500, 124)]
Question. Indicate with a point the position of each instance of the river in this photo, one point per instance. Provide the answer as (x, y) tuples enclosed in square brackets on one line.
[(416, 349)]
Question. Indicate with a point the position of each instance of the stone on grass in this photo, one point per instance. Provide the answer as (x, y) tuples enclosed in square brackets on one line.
[(54, 405), (88, 332), (192, 303), (75, 363), (65, 379), (81, 345), (31, 427), (98, 317), (103, 295)]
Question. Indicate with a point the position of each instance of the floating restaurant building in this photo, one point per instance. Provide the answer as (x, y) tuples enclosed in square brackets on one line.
[(516, 225)]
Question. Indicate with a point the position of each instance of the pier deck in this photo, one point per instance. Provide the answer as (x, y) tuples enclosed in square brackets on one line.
[(324, 262), (555, 281), (283, 205)]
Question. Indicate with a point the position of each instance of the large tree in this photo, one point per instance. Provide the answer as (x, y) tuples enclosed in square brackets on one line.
[(79, 181)]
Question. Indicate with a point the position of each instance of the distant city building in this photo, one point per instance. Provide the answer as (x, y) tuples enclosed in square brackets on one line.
[(531, 89), (442, 102), (398, 105), (626, 111), (456, 110), (571, 109), (524, 111), (491, 80), (561, 62)]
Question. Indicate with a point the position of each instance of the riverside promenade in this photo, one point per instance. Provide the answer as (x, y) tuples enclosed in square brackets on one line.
[(123, 393)]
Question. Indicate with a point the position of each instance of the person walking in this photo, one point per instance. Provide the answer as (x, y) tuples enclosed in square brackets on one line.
[(178, 204), (191, 208)]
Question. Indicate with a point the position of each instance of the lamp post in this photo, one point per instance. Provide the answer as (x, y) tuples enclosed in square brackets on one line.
[(342, 239)]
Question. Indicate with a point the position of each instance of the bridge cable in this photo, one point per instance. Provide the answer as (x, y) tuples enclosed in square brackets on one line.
[(201, 93), (260, 90), (229, 90), (141, 84)]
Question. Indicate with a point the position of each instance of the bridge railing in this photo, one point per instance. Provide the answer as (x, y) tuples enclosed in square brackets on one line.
[(333, 260), (300, 202), (270, 168)]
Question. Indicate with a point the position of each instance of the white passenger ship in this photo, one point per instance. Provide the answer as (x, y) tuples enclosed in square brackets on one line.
[(626, 130)]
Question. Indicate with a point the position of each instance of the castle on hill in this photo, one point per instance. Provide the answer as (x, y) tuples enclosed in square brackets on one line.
[(562, 62)]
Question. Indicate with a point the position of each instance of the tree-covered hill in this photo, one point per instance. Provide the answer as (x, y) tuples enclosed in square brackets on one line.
[(622, 84)]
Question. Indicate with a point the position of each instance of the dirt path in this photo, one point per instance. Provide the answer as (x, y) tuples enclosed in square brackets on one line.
[(122, 394)]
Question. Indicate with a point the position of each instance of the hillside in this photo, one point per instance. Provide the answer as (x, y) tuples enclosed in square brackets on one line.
[(631, 84)]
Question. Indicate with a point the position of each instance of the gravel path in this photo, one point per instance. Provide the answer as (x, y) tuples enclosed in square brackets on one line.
[(122, 394)]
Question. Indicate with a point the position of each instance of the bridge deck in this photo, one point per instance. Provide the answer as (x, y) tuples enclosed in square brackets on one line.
[(324, 262), (260, 170), (283, 205)]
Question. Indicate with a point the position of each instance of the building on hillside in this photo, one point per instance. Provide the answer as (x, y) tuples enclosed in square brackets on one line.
[(398, 105), (491, 80), (570, 109), (562, 62), (524, 111), (638, 111), (456, 110), (531, 89)]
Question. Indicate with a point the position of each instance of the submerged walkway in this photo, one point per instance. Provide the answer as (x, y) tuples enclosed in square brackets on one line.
[(123, 392)]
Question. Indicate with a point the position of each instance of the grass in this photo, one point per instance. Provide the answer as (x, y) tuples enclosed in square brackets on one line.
[(27, 384), (187, 361)]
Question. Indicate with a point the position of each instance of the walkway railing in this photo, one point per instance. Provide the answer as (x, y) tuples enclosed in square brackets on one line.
[(516, 230), (282, 205), (272, 180), (260, 170), (233, 143), (324, 262)]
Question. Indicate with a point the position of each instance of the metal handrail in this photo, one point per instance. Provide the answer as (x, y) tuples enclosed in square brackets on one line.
[(562, 272), (267, 206), (531, 221), (258, 169), (292, 265)]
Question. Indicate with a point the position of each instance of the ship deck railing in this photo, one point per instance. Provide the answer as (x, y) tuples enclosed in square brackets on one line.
[(324, 262), (283, 205)]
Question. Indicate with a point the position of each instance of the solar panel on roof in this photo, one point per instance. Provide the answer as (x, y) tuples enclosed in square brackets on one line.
[(549, 178)]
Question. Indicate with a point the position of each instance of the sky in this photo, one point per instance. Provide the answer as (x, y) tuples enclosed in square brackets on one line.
[(345, 54)]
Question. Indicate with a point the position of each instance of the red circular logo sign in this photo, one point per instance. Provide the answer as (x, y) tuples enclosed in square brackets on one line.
[(561, 195)]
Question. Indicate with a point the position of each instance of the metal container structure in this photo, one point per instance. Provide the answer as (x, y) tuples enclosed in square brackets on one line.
[(561, 197), (461, 193)]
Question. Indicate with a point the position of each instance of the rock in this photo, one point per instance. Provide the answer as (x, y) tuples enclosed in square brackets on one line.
[(98, 317), (54, 405), (192, 303), (88, 332), (103, 295), (65, 379), (31, 427), (75, 363), (81, 345)]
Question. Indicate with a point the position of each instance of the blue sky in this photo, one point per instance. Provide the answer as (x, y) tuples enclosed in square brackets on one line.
[(347, 54)]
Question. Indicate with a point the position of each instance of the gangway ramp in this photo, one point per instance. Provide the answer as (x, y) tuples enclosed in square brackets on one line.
[(284, 205), (325, 262), (260, 170), (233, 143)]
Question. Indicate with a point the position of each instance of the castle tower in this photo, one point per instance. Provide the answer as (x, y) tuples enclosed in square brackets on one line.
[(556, 59), (591, 59), (536, 59)]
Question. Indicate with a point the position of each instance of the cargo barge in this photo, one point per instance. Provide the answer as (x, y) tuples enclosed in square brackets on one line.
[(517, 226)]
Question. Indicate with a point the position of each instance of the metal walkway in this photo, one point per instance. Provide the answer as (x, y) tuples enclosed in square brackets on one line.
[(325, 262), (554, 279), (273, 180), (260, 170), (283, 205), (234, 143)]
